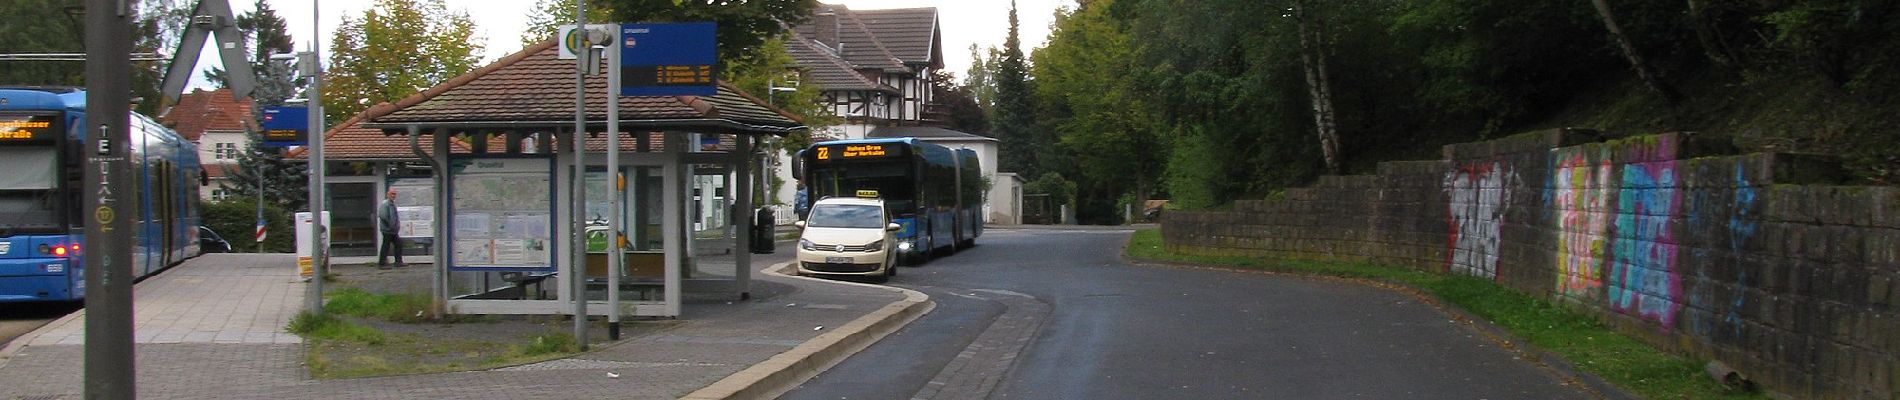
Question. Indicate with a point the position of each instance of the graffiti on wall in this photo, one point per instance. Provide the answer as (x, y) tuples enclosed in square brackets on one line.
[(1479, 195), (1643, 280), (1581, 192), (1741, 225)]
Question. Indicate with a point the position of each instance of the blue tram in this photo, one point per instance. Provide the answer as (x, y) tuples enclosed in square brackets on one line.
[(934, 192), (42, 220)]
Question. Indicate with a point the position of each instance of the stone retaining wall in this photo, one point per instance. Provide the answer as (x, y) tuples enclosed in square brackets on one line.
[(1755, 260)]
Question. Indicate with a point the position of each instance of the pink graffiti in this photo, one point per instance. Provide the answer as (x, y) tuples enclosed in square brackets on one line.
[(1582, 199), (1479, 195)]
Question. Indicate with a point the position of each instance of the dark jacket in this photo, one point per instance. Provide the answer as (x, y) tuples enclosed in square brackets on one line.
[(386, 217)]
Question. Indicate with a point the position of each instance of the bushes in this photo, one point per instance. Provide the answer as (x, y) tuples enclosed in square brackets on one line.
[(236, 219)]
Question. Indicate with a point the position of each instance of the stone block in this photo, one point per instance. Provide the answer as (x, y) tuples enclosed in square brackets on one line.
[(1805, 169)]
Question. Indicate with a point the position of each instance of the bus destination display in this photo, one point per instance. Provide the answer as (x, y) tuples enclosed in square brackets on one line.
[(856, 151), (26, 128)]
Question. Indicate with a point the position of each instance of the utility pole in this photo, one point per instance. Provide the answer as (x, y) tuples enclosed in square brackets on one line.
[(109, 356), (577, 266)]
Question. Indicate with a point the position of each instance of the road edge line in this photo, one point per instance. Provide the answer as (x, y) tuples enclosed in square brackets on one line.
[(782, 372)]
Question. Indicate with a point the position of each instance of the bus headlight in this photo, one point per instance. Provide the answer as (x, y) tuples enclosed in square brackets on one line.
[(904, 246)]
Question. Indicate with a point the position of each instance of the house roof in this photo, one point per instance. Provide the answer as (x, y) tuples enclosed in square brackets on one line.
[(534, 89), (889, 40), (201, 111), (924, 132), (826, 69), (908, 33)]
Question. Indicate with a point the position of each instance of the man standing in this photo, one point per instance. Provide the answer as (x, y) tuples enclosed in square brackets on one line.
[(386, 222)]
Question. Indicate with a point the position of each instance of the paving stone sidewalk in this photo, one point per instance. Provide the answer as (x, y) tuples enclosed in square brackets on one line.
[(212, 328)]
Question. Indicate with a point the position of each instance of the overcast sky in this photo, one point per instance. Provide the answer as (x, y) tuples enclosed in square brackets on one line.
[(964, 22)]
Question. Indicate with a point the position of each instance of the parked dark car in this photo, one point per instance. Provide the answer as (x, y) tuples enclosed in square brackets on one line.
[(210, 242)]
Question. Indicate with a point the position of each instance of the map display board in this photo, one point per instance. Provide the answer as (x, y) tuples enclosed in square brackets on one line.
[(415, 207), (503, 217)]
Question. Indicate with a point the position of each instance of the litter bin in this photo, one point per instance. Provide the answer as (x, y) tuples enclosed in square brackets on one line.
[(763, 224)]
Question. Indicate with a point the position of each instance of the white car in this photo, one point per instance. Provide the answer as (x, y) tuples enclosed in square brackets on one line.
[(848, 236)]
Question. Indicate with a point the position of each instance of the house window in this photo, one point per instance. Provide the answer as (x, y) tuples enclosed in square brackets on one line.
[(220, 194), (226, 151)]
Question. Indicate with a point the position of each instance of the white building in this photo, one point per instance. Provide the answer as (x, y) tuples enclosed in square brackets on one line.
[(218, 124)]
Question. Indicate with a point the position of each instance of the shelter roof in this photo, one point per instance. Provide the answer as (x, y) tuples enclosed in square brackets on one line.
[(924, 132)]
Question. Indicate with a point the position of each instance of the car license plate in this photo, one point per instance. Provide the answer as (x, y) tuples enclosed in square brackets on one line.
[(838, 260)]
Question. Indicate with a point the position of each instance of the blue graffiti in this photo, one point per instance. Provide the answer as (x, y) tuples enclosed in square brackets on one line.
[(1740, 228), (1643, 277)]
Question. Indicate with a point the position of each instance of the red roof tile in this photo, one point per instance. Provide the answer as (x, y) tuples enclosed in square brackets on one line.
[(201, 111)]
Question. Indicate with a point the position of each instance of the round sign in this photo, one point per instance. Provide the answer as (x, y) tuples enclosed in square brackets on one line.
[(103, 214), (573, 40)]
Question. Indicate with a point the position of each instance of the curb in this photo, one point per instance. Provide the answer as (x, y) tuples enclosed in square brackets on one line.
[(18, 343), (782, 372)]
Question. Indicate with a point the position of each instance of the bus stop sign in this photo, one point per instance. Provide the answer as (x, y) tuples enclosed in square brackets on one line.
[(286, 126), (670, 59)]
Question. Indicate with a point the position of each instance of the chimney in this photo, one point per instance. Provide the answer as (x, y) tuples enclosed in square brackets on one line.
[(826, 24)]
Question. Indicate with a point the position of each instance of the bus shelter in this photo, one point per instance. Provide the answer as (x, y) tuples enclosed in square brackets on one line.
[(510, 233)]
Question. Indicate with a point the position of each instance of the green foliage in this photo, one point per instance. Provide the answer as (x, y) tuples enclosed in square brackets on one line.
[(1194, 179), (236, 219), (1060, 191), (1575, 336), (395, 49), (1023, 144), (772, 66), (1105, 135), (553, 343), (52, 30), (549, 15)]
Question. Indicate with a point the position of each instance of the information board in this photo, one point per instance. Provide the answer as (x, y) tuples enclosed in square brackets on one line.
[(285, 126), (502, 215), (670, 59), (415, 207)]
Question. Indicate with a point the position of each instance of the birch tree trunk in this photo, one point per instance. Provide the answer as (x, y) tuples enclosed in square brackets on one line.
[(1313, 56), (1643, 71)]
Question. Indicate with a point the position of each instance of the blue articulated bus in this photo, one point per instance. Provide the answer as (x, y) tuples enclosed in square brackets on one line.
[(42, 216), (934, 192)]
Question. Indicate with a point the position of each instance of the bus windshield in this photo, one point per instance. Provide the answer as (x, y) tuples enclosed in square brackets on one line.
[(846, 216), (892, 180), (27, 187)]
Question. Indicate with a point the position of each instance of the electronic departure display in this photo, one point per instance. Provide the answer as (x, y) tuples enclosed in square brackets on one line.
[(858, 151), (27, 128)]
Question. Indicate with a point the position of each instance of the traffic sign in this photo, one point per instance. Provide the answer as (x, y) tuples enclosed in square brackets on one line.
[(668, 59)]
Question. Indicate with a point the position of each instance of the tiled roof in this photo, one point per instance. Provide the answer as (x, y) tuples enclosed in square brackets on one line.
[(923, 132), (861, 47), (826, 69), (908, 33), (532, 88), (201, 111)]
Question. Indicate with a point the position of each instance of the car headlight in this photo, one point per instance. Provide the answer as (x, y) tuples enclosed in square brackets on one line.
[(903, 246), (874, 246), (806, 244)]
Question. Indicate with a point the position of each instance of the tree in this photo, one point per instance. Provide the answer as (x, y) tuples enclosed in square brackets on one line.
[(965, 114), (395, 49), (1644, 71), (981, 79), (550, 15), (1113, 146), (1014, 124), (1313, 48), (54, 30)]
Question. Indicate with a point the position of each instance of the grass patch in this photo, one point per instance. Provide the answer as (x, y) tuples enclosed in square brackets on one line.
[(396, 307), (1577, 337), (330, 328), (363, 334)]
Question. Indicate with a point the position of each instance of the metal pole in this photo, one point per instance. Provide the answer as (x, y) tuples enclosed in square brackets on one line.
[(614, 257), (576, 268), (319, 253), (109, 356), (260, 206)]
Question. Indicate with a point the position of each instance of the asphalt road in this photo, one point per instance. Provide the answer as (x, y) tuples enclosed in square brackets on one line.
[(19, 318), (1052, 314)]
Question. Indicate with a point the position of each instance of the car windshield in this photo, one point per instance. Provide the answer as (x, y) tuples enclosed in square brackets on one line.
[(846, 216)]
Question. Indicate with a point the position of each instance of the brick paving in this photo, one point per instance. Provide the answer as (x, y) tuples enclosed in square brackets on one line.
[(213, 328)]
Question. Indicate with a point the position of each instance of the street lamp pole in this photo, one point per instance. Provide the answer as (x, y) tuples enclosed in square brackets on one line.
[(312, 67)]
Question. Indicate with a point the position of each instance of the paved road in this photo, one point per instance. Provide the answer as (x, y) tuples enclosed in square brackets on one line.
[(1040, 314), (19, 318)]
